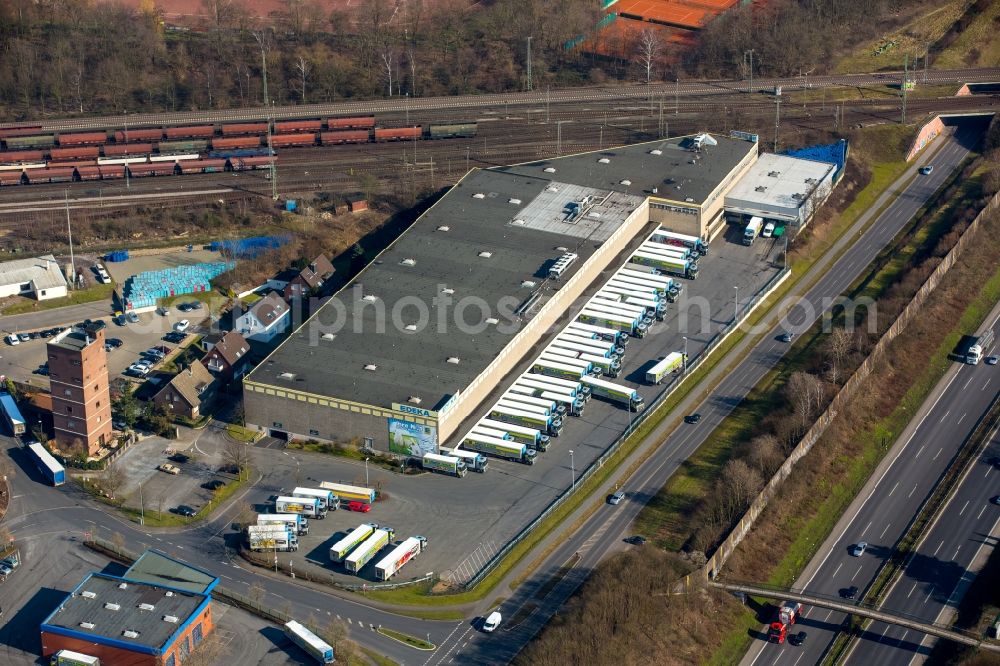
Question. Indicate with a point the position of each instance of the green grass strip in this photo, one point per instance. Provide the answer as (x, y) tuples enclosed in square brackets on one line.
[(406, 639)]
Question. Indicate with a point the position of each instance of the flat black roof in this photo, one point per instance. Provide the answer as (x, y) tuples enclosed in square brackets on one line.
[(124, 613), (678, 172), (408, 279)]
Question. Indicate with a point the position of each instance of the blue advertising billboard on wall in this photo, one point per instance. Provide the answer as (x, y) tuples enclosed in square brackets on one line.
[(412, 439)]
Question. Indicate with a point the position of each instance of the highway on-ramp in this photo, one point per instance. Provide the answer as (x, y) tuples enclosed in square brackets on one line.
[(535, 603)]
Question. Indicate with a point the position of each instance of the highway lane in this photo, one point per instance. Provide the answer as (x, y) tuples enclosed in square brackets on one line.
[(601, 532), (505, 100), (945, 420), (947, 559)]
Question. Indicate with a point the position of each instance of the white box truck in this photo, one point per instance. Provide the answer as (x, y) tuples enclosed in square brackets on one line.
[(70, 658), (267, 537), (340, 549), (364, 553), (673, 361), (310, 643), (477, 462), (752, 230), (291, 520), (623, 395), (305, 506), (389, 565), (443, 464), (327, 500)]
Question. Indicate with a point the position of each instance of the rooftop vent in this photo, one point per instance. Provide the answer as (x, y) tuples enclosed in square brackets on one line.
[(689, 200), (112, 607), (760, 188), (169, 593), (287, 375), (594, 214), (128, 633), (89, 594), (528, 284), (519, 223), (454, 360), (147, 607), (411, 327), (492, 320), (797, 196), (329, 336), (408, 262), (172, 619), (810, 181), (444, 227), (414, 399), (514, 201), (478, 195), (625, 182), (485, 254), (604, 160), (122, 586), (87, 625), (549, 169), (773, 174), (551, 188), (371, 367), (448, 290), (656, 151), (371, 298)]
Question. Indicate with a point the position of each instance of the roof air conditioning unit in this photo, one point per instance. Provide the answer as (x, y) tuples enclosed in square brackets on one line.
[(454, 360), (485, 254), (112, 607), (128, 633), (478, 195), (89, 594), (408, 262), (626, 182), (444, 227), (371, 367), (414, 399), (656, 151), (549, 169), (514, 201), (604, 160), (147, 607), (87, 625), (172, 619)]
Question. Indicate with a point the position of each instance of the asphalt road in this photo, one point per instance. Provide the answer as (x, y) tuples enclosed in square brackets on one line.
[(504, 100), (602, 533), (947, 560), (884, 514)]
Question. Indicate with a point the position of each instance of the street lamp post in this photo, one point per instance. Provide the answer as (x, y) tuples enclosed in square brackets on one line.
[(572, 468), (128, 184), (366, 471), (142, 510), (736, 313), (685, 366)]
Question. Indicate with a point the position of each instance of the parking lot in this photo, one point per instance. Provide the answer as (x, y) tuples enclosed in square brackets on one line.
[(467, 520), (23, 361)]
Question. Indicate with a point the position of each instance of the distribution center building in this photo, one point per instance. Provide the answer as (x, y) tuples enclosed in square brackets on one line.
[(781, 189), (416, 342)]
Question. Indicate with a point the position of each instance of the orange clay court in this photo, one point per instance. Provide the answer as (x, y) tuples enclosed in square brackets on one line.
[(692, 15)]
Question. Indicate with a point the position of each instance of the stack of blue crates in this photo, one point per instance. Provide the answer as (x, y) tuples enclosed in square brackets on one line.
[(143, 290)]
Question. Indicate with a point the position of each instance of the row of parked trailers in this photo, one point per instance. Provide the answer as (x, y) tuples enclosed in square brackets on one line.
[(177, 165), (360, 546), (288, 133), (575, 365)]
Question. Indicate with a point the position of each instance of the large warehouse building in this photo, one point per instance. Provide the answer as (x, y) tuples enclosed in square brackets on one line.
[(413, 345)]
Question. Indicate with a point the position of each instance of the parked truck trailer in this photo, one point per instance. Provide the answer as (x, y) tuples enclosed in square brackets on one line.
[(364, 553), (310, 643), (444, 464), (389, 565), (305, 506), (339, 550), (500, 448)]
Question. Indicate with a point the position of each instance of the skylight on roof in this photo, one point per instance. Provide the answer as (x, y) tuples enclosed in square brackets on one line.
[(371, 298), (656, 151), (514, 201), (408, 262), (287, 375), (485, 254), (625, 182), (478, 195), (371, 367), (604, 160), (549, 169), (444, 227), (454, 360)]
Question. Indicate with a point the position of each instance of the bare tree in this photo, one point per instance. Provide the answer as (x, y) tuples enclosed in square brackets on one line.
[(236, 455), (805, 391), (738, 485), (648, 50), (837, 346), (336, 633), (303, 67), (210, 651), (765, 454), (256, 593), (388, 61), (113, 479)]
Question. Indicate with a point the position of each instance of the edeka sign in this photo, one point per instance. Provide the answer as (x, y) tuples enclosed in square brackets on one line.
[(412, 439), (416, 411)]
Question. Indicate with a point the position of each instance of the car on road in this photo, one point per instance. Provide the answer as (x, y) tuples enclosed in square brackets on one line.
[(175, 337), (12, 339), (24, 337), (185, 510), (797, 639), (11, 562), (787, 337), (858, 549), (183, 307), (850, 592), (926, 170), (214, 484), (693, 418), (992, 360), (616, 498), (131, 317), (169, 469), (155, 354), (5, 570), (114, 342), (182, 325), (360, 507), (768, 230), (140, 369), (636, 540), (995, 500), (492, 622)]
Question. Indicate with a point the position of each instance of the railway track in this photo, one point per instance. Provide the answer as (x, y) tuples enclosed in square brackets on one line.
[(504, 101)]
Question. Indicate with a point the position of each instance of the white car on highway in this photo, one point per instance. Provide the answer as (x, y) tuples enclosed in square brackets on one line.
[(492, 622)]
